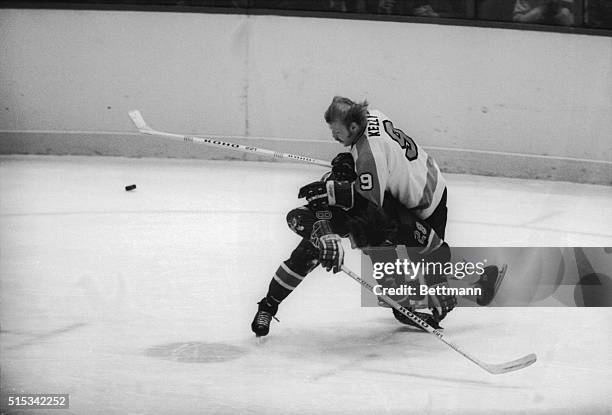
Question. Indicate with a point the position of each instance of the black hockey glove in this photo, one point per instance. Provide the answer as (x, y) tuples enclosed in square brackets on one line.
[(340, 193), (320, 195), (331, 253), (315, 194), (329, 244), (343, 168), (440, 302)]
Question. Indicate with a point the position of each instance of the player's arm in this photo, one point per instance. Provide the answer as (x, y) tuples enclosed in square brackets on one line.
[(335, 190), (371, 169), (322, 237)]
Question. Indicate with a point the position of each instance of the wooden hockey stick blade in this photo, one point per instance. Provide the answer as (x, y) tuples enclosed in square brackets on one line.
[(140, 122), (212, 141), (492, 368), (517, 364)]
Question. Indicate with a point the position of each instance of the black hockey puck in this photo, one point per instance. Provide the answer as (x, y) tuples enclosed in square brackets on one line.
[(130, 187)]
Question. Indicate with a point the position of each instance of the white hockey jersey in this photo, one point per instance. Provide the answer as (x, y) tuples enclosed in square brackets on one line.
[(388, 160)]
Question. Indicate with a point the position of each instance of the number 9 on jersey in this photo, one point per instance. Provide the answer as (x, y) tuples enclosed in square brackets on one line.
[(366, 181)]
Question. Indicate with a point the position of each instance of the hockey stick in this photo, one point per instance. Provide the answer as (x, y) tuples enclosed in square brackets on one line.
[(492, 368), (211, 141)]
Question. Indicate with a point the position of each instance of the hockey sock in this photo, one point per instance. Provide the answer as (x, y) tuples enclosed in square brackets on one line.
[(284, 281), (290, 274)]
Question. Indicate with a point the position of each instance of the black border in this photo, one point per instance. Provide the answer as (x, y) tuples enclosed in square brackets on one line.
[(303, 13)]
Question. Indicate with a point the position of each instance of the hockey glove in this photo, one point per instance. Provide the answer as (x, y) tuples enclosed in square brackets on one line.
[(315, 194), (441, 302), (343, 168), (321, 195), (331, 253), (329, 244), (340, 193)]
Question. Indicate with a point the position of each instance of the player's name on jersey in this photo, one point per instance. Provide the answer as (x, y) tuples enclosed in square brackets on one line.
[(412, 290), (373, 126)]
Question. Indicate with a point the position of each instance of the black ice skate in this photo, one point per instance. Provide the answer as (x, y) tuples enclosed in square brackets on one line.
[(263, 317), (489, 281), (428, 318)]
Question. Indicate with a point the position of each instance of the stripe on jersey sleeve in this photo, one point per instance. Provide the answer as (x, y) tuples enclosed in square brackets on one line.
[(430, 184)]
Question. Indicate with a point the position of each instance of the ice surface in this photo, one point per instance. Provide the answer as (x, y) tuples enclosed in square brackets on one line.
[(140, 302)]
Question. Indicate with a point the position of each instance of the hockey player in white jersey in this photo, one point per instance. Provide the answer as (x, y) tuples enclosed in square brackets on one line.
[(386, 191), (389, 162)]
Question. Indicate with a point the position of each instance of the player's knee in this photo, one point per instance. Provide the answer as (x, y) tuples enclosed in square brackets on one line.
[(304, 258), (300, 221)]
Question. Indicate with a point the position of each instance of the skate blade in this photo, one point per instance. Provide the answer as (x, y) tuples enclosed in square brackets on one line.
[(500, 277), (259, 340)]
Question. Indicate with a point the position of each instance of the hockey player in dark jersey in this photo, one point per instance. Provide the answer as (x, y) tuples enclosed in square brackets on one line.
[(323, 221), (386, 191)]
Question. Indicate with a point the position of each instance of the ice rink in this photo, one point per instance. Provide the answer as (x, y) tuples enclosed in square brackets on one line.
[(140, 302)]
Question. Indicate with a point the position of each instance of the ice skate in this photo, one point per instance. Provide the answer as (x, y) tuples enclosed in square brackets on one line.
[(263, 317), (489, 282)]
